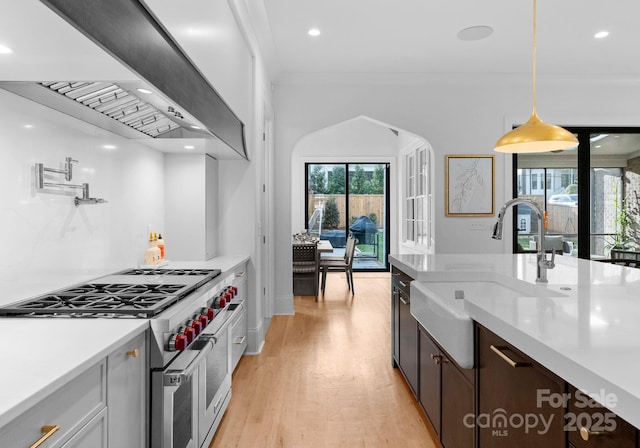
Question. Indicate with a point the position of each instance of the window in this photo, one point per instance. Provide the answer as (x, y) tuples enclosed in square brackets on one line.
[(591, 195), (417, 215)]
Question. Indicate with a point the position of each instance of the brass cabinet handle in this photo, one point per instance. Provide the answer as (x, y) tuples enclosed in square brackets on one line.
[(404, 302), (240, 274), (585, 433), (47, 431), (403, 284), (133, 353), (439, 359), (239, 340), (511, 362)]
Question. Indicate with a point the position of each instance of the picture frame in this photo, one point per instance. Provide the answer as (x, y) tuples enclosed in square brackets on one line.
[(470, 185)]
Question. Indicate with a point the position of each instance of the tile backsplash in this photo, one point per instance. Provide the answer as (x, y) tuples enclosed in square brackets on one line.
[(46, 242)]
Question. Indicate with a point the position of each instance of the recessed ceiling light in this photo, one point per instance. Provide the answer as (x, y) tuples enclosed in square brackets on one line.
[(109, 146), (189, 147), (5, 50), (313, 32), (193, 126), (147, 91), (28, 126), (475, 33), (598, 146), (601, 34)]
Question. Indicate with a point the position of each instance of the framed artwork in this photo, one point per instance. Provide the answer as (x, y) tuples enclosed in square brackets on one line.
[(469, 185)]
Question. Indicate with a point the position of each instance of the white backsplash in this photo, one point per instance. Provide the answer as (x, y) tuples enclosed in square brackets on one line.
[(46, 242)]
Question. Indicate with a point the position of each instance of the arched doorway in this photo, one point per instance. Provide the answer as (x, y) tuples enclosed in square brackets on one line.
[(369, 157)]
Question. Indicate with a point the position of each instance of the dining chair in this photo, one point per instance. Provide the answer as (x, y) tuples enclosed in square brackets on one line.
[(340, 264), (305, 269)]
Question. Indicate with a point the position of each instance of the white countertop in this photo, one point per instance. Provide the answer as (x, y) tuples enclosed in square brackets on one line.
[(590, 336), (41, 355)]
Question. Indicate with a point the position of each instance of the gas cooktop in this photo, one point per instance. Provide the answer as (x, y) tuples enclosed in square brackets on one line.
[(133, 293)]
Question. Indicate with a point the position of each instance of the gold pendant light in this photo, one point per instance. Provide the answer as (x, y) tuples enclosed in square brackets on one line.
[(536, 135)]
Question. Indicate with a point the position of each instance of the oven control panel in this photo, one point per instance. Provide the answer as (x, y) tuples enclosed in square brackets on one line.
[(188, 331)]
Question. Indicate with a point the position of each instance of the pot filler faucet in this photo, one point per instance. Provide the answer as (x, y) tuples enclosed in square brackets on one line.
[(543, 264)]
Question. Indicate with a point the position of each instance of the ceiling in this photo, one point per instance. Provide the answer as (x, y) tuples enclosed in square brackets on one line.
[(420, 36), (369, 36)]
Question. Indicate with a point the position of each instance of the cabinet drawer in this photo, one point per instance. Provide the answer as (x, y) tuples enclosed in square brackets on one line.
[(69, 407), (238, 337), (586, 419)]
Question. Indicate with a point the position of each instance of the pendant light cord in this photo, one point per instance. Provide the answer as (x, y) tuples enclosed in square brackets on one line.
[(534, 57)]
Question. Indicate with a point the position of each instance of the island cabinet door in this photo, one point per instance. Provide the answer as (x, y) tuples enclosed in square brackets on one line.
[(458, 407), (514, 405), (408, 343), (592, 426), (430, 379)]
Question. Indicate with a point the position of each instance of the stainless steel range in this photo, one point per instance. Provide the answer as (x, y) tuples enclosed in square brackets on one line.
[(189, 311)]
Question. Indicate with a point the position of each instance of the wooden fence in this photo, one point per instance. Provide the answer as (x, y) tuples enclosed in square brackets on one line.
[(359, 204)]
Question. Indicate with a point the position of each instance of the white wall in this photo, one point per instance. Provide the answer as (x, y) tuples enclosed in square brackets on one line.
[(46, 241), (456, 114)]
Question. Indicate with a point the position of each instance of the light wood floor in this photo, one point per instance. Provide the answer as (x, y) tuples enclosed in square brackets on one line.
[(324, 378)]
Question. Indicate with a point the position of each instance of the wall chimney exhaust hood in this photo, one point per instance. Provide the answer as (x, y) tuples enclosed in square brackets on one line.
[(182, 103)]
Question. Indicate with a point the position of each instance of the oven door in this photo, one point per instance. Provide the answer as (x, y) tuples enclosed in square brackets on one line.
[(214, 379), (175, 399)]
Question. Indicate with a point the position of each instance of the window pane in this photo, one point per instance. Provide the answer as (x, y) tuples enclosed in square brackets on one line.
[(615, 184), (550, 180)]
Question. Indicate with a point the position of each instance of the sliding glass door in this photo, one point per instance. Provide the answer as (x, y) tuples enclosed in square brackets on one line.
[(592, 195), (350, 199)]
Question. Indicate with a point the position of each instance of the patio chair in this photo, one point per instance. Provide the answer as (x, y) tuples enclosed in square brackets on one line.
[(305, 269), (340, 264)]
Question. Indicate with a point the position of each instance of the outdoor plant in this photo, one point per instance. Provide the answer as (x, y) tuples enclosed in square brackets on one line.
[(627, 223), (331, 218)]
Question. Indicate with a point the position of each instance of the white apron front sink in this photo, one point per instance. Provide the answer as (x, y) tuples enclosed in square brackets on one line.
[(439, 306)]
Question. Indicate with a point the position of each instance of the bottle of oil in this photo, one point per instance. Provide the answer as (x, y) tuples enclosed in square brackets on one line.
[(152, 254)]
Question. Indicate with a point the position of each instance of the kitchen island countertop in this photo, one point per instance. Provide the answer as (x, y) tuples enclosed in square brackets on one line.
[(589, 334)]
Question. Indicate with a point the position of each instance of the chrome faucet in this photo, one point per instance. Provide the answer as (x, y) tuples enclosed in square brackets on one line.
[(542, 263)]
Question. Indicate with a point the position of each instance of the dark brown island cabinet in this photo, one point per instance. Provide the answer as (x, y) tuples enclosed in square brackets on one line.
[(445, 391), (447, 394), (508, 400), (405, 329)]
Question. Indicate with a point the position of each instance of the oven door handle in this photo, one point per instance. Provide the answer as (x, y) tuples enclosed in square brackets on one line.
[(176, 377), (214, 337)]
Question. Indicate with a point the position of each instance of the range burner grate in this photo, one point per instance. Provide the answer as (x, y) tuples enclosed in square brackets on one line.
[(149, 271), (112, 296)]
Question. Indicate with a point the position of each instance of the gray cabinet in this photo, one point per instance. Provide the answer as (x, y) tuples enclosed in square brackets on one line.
[(69, 408), (92, 435), (127, 386), (102, 406)]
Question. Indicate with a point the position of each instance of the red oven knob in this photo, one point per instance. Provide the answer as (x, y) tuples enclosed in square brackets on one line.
[(211, 313), (204, 320), (235, 290), (177, 342), (228, 296), (197, 326), (190, 333), (223, 302)]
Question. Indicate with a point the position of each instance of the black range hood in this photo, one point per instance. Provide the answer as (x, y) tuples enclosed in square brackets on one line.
[(128, 31)]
